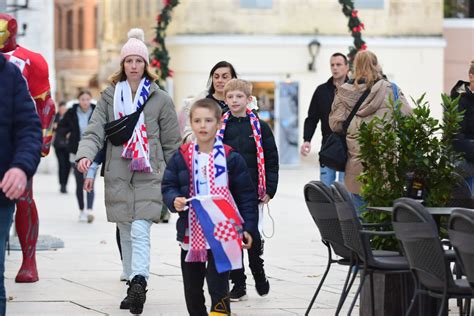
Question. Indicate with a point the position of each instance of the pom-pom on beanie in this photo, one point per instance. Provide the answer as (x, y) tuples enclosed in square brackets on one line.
[(135, 45)]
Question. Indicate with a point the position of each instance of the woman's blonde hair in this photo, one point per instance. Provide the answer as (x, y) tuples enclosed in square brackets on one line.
[(120, 75), (471, 69), (366, 67)]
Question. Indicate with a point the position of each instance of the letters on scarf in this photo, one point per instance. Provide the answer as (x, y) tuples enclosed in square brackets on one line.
[(214, 218), (136, 148), (257, 136)]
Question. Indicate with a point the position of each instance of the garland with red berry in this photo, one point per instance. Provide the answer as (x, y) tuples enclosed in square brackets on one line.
[(160, 57), (355, 27)]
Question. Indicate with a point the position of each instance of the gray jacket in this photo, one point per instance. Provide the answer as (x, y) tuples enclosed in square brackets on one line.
[(133, 195)]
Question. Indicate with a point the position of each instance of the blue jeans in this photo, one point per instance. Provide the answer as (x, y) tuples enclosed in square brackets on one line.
[(6, 216), (328, 175), (359, 203), (135, 242)]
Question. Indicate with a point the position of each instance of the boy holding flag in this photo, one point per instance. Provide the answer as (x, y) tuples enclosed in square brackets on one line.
[(209, 186)]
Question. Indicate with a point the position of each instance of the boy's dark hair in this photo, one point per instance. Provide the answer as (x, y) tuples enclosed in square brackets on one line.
[(221, 64), (209, 104), (240, 85), (340, 55)]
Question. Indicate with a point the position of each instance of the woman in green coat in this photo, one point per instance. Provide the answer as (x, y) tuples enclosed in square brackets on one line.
[(134, 170)]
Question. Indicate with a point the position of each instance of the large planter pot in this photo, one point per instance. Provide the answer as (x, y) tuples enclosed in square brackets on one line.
[(393, 294)]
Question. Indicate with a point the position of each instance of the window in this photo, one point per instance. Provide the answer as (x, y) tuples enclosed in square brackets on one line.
[(139, 8), (60, 28), (69, 28), (96, 16), (256, 4), (369, 4), (80, 29)]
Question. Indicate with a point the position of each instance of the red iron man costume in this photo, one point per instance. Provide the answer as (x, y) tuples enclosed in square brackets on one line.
[(35, 71)]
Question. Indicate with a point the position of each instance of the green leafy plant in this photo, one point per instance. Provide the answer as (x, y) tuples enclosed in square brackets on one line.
[(395, 146)]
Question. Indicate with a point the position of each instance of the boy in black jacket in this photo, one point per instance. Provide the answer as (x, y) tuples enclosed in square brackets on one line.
[(253, 139), (197, 169)]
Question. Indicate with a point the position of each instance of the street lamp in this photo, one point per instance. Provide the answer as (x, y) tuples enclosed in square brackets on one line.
[(313, 48)]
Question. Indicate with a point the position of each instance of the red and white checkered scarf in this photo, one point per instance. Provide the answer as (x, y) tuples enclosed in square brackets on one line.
[(136, 148), (257, 136), (218, 186)]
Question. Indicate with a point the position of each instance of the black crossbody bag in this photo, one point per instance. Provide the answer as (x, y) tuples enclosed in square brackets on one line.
[(333, 152), (119, 131)]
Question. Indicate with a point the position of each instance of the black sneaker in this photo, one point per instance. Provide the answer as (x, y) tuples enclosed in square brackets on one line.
[(261, 284), (137, 294), (125, 303), (238, 293)]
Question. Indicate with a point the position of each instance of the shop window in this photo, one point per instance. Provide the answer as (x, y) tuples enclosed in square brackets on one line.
[(256, 4), (369, 4)]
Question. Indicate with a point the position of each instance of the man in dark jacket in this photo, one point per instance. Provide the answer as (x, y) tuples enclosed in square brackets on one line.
[(20, 152), (319, 110)]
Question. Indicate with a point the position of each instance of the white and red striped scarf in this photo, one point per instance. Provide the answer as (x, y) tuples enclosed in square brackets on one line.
[(257, 136), (218, 186), (136, 148)]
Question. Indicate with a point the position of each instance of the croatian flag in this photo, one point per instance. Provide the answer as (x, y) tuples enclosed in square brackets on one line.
[(222, 227)]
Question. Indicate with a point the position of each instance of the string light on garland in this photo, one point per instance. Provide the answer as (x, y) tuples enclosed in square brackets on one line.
[(160, 57), (355, 27)]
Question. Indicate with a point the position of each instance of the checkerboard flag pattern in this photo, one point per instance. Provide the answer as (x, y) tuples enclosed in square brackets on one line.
[(222, 227)]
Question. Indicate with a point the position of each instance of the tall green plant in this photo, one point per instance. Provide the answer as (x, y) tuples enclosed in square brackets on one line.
[(395, 145)]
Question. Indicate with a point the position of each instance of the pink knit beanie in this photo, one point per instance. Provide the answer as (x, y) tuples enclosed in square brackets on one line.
[(135, 45)]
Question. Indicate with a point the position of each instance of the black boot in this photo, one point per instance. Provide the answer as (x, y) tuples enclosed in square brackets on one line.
[(137, 294), (125, 303), (261, 283)]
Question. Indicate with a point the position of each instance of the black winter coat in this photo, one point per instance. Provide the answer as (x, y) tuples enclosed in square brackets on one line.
[(176, 184), (20, 127), (239, 135), (466, 102), (319, 110), (70, 124)]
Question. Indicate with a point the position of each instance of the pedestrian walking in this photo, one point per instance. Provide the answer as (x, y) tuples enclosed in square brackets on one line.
[(319, 110), (201, 168), (60, 144), (465, 91), (72, 127), (367, 76), (134, 168), (20, 153), (253, 139)]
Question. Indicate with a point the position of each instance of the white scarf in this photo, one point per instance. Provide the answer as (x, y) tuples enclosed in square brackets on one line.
[(136, 148)]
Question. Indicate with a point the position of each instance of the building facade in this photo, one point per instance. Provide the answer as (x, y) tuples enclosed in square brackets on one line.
[(76, 53)]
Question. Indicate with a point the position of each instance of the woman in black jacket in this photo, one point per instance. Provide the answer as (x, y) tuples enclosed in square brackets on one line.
[(72, 126), (465, 90)]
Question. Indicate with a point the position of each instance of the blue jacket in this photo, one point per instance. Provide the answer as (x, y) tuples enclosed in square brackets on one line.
[(20, 128), (176, 183)]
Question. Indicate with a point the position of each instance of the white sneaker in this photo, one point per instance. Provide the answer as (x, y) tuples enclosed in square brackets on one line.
[(83, 217), (90, 216)]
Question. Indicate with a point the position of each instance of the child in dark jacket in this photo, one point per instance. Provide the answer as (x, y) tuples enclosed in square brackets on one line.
[(200, 168), (253, 139)]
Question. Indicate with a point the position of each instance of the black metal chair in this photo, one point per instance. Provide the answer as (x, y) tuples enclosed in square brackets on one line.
[(357, 239), (418, 234), (320, 202), (461, 195), (461, 234)]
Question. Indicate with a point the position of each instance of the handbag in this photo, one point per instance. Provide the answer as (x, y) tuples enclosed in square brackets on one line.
[(333, 152), (119, 131)]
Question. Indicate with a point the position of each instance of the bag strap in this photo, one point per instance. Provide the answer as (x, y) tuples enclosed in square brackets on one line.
[(345, 125)]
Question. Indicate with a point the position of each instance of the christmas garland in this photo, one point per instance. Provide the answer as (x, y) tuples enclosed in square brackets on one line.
[(160, 57), (355, 27)]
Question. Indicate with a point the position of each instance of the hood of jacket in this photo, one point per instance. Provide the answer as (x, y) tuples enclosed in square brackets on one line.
[(349, 94)]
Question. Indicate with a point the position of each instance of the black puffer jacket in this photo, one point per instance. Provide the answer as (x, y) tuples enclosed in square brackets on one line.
[(466, 102), (239, 135), (176, 183), (70, 125)]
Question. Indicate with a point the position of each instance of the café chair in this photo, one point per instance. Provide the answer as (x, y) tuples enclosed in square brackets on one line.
[(417, 232), (461, 234), (320, 203), (358, 240), (461, 195)]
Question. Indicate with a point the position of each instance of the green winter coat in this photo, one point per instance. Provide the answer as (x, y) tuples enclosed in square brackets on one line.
[(133, 195)]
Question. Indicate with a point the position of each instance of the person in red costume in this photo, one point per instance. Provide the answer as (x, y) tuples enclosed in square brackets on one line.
[(35, 70)]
